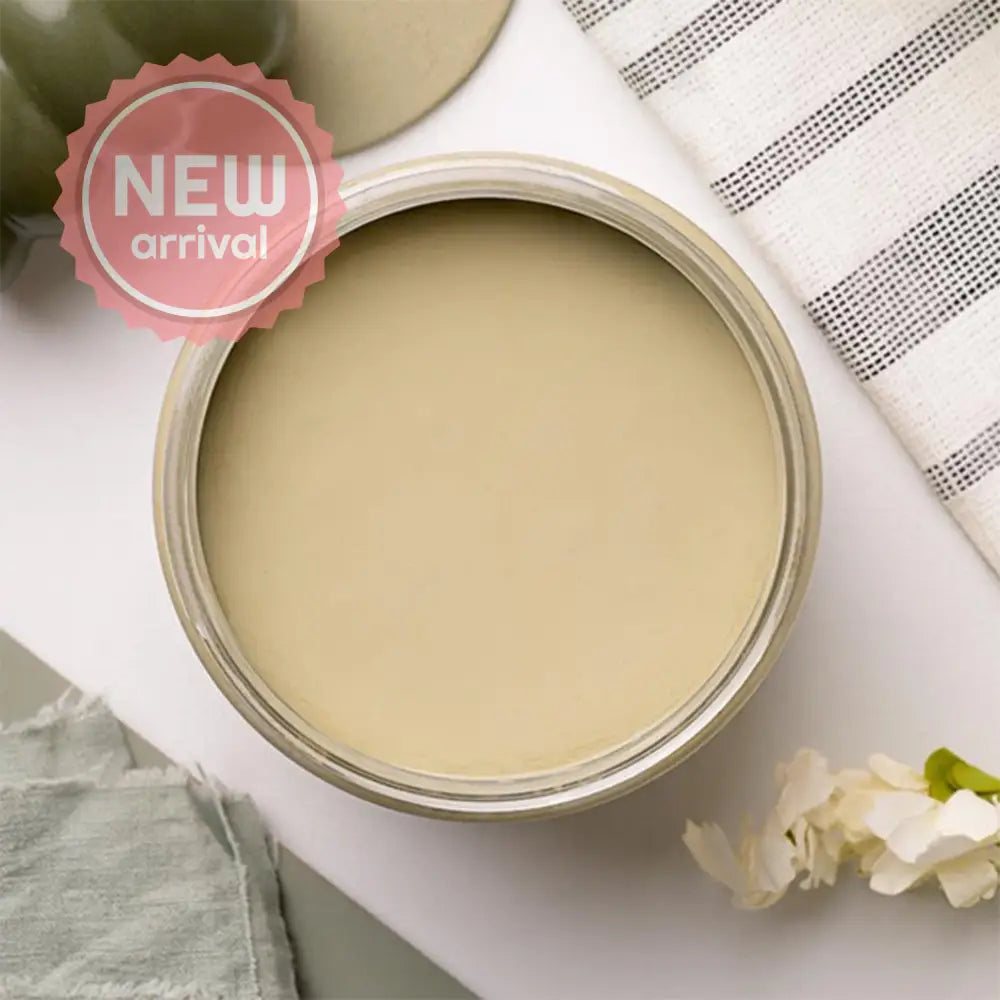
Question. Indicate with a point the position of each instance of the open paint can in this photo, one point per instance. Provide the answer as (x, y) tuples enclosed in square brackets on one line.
[(513, 514)]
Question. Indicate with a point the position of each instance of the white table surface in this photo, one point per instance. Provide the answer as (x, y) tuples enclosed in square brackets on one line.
[(897, 648)]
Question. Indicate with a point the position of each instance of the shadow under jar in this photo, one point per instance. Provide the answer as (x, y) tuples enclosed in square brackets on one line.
[(513, 514)]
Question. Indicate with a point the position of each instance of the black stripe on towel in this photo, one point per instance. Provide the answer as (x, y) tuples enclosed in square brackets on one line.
[(709, 31), (963, 468), (923, 279), (767, 170), (591, 12)]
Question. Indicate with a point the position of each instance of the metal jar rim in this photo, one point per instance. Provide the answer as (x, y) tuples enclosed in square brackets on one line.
[(752, 324)]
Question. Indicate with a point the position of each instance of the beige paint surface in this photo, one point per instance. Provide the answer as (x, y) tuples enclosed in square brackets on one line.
[(371, 67), (501, 495)]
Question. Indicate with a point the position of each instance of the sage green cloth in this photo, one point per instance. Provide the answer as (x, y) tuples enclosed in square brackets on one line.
[(117, 882)]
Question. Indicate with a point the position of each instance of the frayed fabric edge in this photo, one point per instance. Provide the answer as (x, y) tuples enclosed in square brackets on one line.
[(17, 988), (93, 774), (136, 778), (242, 879), (71, 704)]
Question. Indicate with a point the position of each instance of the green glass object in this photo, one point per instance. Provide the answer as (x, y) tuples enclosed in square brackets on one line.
[(58, 56)]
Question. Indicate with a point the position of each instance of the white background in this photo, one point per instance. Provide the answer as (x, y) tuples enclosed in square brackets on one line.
[(897, 648)]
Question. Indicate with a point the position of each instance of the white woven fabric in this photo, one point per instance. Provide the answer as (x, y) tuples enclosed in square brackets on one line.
[(859, 141)]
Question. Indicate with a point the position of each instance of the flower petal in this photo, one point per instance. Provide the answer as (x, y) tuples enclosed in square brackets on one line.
[(968, 880), (824, 870), (834, 843), (889, 809), (821, 865), (852, 813), (946, 849), (824, 816), (801, 842), (890, 876), (711, 849), (897, 775), (771, 859), (780, 773), (966, 814), (808, 784), (853, 778), (870, 852), (758, 900), (914, 837)]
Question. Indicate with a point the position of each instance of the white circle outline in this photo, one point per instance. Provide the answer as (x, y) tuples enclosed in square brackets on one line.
[(253, 299)]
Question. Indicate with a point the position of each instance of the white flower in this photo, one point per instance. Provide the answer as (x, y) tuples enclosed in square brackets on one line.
[(955, 840), (769, 860), (808, 785), (817, 852), (896, 775), (788, 845), (859, 790), (759, 876), (882, 816)]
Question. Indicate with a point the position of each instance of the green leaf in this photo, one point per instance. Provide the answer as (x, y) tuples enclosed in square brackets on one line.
[(939, 789), (966, 776), (946, 773), (937, 771)]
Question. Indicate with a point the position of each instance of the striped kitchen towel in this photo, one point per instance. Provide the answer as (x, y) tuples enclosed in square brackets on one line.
[(859, 140)]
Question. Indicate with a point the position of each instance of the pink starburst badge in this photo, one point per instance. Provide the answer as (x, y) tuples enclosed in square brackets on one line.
[(200, 199)]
